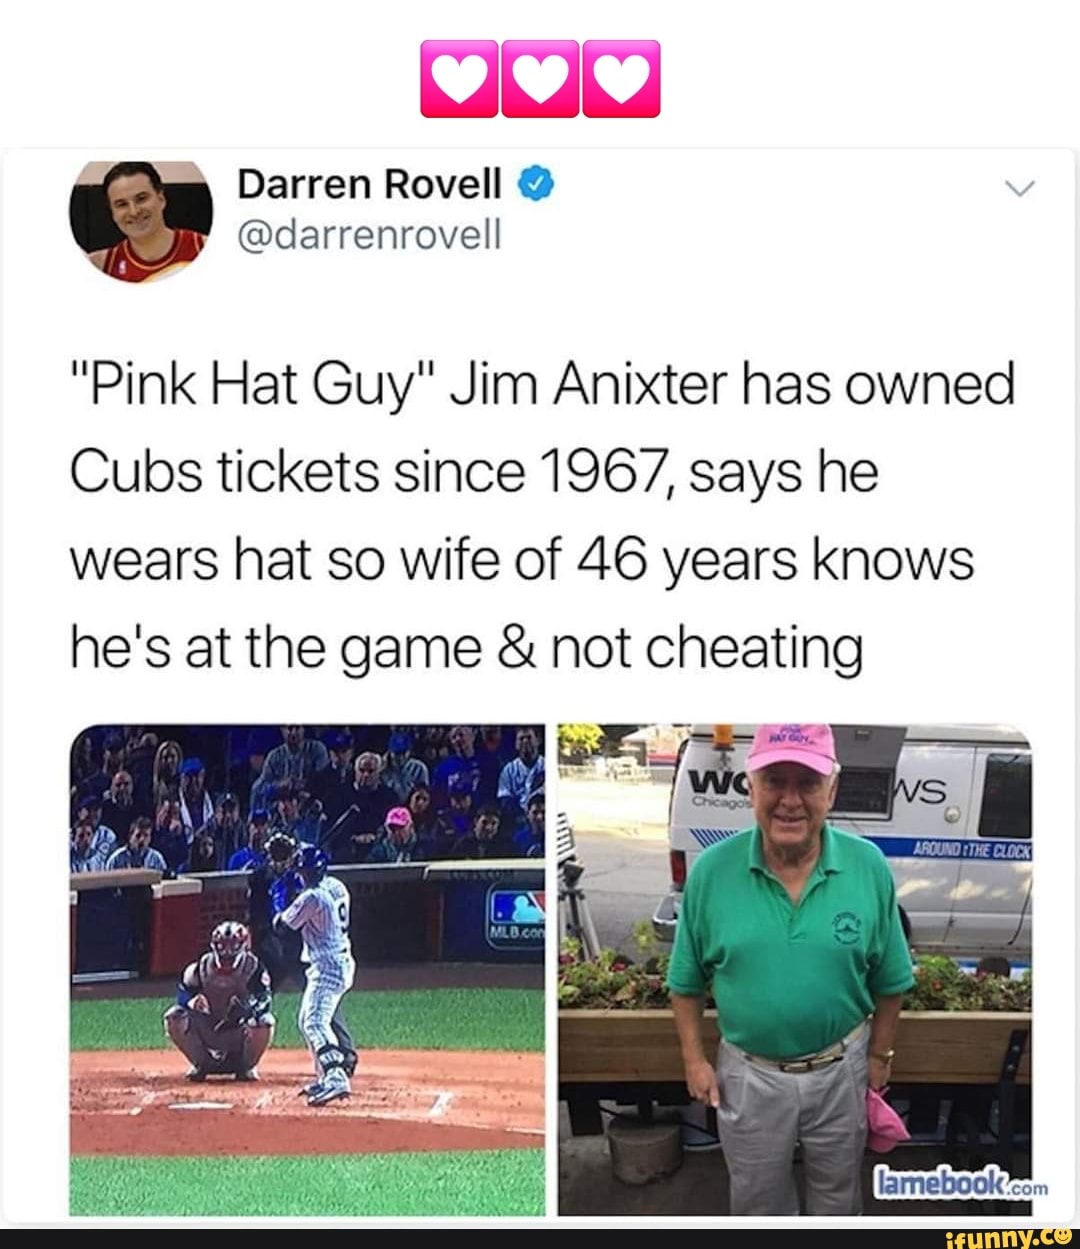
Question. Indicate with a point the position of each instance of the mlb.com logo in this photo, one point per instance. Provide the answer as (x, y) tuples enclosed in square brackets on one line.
[(515, 918), (540, 78)]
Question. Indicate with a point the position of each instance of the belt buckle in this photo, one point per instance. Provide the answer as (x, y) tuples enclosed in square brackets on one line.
[(810, 1064), (798, 1064)]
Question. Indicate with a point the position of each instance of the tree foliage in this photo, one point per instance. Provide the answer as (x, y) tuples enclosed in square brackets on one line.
[(580, 739)]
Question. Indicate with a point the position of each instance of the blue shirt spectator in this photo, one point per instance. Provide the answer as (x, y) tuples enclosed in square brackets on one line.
[(247, 860), (89, 812), (138, 852), (463, 764), (296, 760), (84, 858), (402, 772), (529, 839), (124, 858), (524, 775)]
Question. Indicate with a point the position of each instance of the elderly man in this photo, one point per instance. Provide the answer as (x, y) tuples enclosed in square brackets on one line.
[(356, 830), (795, 927), (119, 808), (400, 843)]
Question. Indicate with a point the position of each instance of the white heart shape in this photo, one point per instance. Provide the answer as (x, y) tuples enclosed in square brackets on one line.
[(621, 79), (459, 79), (540, 79)]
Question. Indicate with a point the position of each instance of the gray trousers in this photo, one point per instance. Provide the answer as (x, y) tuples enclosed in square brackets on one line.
[(192, 1032), (764, 1112)]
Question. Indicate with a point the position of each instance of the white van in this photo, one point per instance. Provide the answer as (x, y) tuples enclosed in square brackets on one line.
[(949, 805)]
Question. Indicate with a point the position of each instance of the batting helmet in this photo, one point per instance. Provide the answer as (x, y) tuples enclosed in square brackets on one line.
[(311, 863), (228, 942)]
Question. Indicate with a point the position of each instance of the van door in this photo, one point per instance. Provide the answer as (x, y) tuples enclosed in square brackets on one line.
[(991, 910), (922, 838)]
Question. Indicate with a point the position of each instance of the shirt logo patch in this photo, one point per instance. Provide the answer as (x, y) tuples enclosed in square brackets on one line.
[(846, 927)]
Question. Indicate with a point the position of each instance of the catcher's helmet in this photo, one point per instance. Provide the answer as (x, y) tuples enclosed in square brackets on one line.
[(281, 851), (228, 942), (311, 863)]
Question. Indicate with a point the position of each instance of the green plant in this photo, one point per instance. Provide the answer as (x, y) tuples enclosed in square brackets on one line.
[(611, 981), (941, 985)]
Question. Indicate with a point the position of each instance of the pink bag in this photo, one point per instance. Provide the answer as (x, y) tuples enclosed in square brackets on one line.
[(884, 1127)]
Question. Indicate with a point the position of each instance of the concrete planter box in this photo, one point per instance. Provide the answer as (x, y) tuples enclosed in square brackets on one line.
[(932, 1047)]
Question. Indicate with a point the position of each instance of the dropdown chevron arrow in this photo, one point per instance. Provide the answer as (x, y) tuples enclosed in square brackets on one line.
[(1017, 192)]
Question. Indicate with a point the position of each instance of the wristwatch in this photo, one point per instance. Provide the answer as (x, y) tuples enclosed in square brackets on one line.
[(885, 1056)]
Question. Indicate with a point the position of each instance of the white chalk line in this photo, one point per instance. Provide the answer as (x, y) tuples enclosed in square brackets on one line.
[(442, 1101)]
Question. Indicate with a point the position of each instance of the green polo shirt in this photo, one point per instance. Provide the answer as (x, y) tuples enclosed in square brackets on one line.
[(787, 979)]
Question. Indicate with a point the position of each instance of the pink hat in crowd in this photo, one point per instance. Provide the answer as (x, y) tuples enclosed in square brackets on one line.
[(884, 1127), (398, 817), (811, 745)]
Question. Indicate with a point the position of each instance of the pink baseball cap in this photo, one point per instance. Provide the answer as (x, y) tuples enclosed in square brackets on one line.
[(811, 745), (398, 817), (884, 1127)]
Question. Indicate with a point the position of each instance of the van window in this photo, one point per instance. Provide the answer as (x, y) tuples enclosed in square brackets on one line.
[(1006, 809), (864, 792)]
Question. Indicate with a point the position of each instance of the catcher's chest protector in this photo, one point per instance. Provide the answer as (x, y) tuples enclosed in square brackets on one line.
[(219, 987)]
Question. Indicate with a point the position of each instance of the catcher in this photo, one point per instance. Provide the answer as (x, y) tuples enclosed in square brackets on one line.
[(221, 1021)]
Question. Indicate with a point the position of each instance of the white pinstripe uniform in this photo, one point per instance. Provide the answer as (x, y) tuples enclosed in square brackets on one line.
[(321, 913)]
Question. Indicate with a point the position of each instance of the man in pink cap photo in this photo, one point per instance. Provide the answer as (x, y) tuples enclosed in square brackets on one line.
[(795, 928)]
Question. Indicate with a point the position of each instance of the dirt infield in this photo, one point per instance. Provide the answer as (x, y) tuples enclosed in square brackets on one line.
[(136, 1102)]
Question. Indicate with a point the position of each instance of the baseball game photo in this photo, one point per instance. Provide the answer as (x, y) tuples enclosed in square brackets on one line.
[(307, 970)]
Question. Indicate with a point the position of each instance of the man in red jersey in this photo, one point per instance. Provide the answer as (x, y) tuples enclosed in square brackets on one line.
[(150, 249)]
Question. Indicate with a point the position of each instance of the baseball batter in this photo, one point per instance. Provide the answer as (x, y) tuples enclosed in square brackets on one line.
[(321, 915), (221, 1021)]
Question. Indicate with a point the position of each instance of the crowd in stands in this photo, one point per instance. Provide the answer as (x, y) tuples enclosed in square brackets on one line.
[(184, 800)]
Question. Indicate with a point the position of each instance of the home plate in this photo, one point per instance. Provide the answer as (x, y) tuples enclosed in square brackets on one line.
[(200, 1105)]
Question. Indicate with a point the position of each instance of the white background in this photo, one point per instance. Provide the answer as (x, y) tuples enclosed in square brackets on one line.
[(812, 260)]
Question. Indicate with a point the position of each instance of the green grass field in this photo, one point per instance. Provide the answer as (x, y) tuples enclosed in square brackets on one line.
[(418, 1019), (464, 1184)]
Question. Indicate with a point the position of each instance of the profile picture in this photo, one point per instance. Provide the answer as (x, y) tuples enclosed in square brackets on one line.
[(137, 221)]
